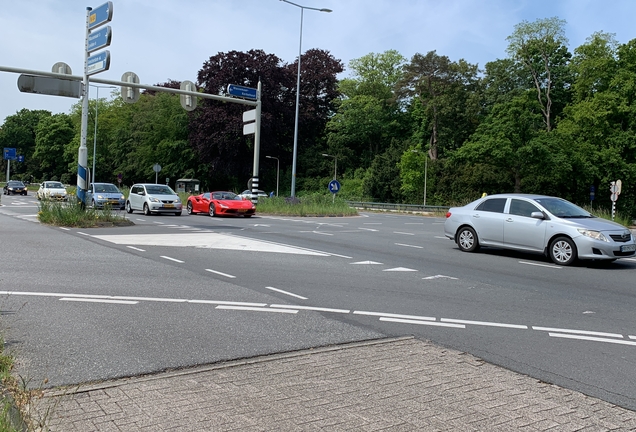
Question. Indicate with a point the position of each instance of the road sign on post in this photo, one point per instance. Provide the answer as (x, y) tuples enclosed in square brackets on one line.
[(241, 91), (188, 102), (99, 39), (130, 94), (249, 122), (100, 15)]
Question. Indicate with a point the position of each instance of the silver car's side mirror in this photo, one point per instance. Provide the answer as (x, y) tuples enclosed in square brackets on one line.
[(537, 215)]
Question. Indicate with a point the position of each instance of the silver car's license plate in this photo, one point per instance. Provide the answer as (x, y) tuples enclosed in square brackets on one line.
[(628, 248)]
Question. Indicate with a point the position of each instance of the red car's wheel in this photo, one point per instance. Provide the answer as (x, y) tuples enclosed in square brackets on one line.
[(189, 208), (212, 210)]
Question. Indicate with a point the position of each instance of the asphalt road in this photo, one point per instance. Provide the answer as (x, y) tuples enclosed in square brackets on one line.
[(172, 292)]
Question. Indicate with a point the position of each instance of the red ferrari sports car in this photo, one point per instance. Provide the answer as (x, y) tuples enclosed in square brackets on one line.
[(219, 204)]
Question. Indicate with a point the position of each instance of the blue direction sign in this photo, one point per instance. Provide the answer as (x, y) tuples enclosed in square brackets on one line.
[(98, 63), (100, 15), (99, 39), (334, 186), (240, 91), (9, 153)]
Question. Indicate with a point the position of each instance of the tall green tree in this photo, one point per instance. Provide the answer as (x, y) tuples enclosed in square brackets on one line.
[(53, 134), (541, 47)]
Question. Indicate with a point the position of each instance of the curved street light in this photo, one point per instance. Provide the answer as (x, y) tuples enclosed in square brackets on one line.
[(295, 154), (425, 171), (335, 164)]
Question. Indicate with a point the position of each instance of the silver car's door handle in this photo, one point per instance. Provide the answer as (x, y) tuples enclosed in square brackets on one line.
[(509, 220), (476, 216)]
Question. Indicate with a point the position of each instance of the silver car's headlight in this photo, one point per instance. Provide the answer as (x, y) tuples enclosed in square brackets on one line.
[(177, 201), (153, 199), (596, 235)]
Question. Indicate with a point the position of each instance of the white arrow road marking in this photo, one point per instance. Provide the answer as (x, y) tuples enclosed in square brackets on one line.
[(366, 262), (400, 269), (286, 292)]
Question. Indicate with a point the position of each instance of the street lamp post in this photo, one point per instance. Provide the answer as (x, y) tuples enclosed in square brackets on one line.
[(95, 132), (335, 164), (277, 170), (295, 153)]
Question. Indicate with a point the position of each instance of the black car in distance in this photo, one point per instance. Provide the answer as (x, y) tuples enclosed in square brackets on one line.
[(14, 187)]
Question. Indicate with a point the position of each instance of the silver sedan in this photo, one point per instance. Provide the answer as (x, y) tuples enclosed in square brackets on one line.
[(538, 223)]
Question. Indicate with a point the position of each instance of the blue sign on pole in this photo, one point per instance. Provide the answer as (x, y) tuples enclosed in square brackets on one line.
[(98, 62), (20, 158), (334, 186), (99, 39), (9, 153), (241, 91), (100, 15)]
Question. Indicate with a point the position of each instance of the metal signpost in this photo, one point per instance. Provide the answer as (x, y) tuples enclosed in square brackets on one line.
[(9, 154), (615, 189), (251, 125)]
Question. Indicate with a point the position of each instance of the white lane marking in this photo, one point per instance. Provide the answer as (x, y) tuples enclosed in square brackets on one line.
[(311, 308), (484, 323), (168, 300), (366, 262), (541, 265), (83, 233), (98, 300), (171, 259), (368, 229), (582, 332), (227, 303), (439, 277), (632, 337), (208, 240), (158, 223), (219, 273), (286, 292), (65, 229), (141, 220), (407, 245), (438, 324), (371, 223), (400, 269), (322, 233), (593, 339), (413, 223), (403, 233), (257, 309), (390, 315), (264, 225), (136, 248), (441, 237)]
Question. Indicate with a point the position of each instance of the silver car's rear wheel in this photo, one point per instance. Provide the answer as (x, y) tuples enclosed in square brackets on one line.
[(563, 251), (467, 239)]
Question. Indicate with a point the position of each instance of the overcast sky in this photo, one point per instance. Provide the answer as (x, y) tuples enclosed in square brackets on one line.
[(171, 39)]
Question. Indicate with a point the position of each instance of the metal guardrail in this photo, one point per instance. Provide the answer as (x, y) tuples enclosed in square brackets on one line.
[(408, 208)]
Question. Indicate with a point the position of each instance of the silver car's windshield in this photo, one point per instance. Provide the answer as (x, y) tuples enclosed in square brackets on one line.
[(106, 188), (159, 190), (563, 209), (52, 185)]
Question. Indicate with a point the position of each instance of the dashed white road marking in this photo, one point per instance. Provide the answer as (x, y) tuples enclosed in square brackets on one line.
[(136, 248), (219, 273), (368, 229), (89, 300), (439, 277), (541, 265), (311, 308), (484, 323), (286, 293), (418, 322), (399, 269), (367, 262), (581, 332), (258, 309), (390, 315), (403, 233), (171, 259), (408, 245), (441, 237), (590, 338)]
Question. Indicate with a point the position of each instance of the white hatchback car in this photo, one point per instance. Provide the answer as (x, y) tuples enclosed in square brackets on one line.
[(52, 190), (153, 198)]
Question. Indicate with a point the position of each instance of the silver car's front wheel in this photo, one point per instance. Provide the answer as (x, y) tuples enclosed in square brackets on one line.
[(563, 251), (467, 239)]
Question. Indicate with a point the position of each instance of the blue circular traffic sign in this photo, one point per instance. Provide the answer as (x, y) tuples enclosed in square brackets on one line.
[(334, 186)]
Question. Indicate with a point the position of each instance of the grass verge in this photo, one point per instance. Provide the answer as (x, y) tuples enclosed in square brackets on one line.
[(73, 214), (309, 205)]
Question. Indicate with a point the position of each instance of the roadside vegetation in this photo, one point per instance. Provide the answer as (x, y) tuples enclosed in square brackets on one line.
[(309, 205), (73, 214)]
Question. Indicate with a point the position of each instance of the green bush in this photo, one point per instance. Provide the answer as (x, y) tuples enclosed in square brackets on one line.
[(308, 205)]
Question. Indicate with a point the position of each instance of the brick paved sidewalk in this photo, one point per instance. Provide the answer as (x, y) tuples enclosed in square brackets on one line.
[(400, 384)]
